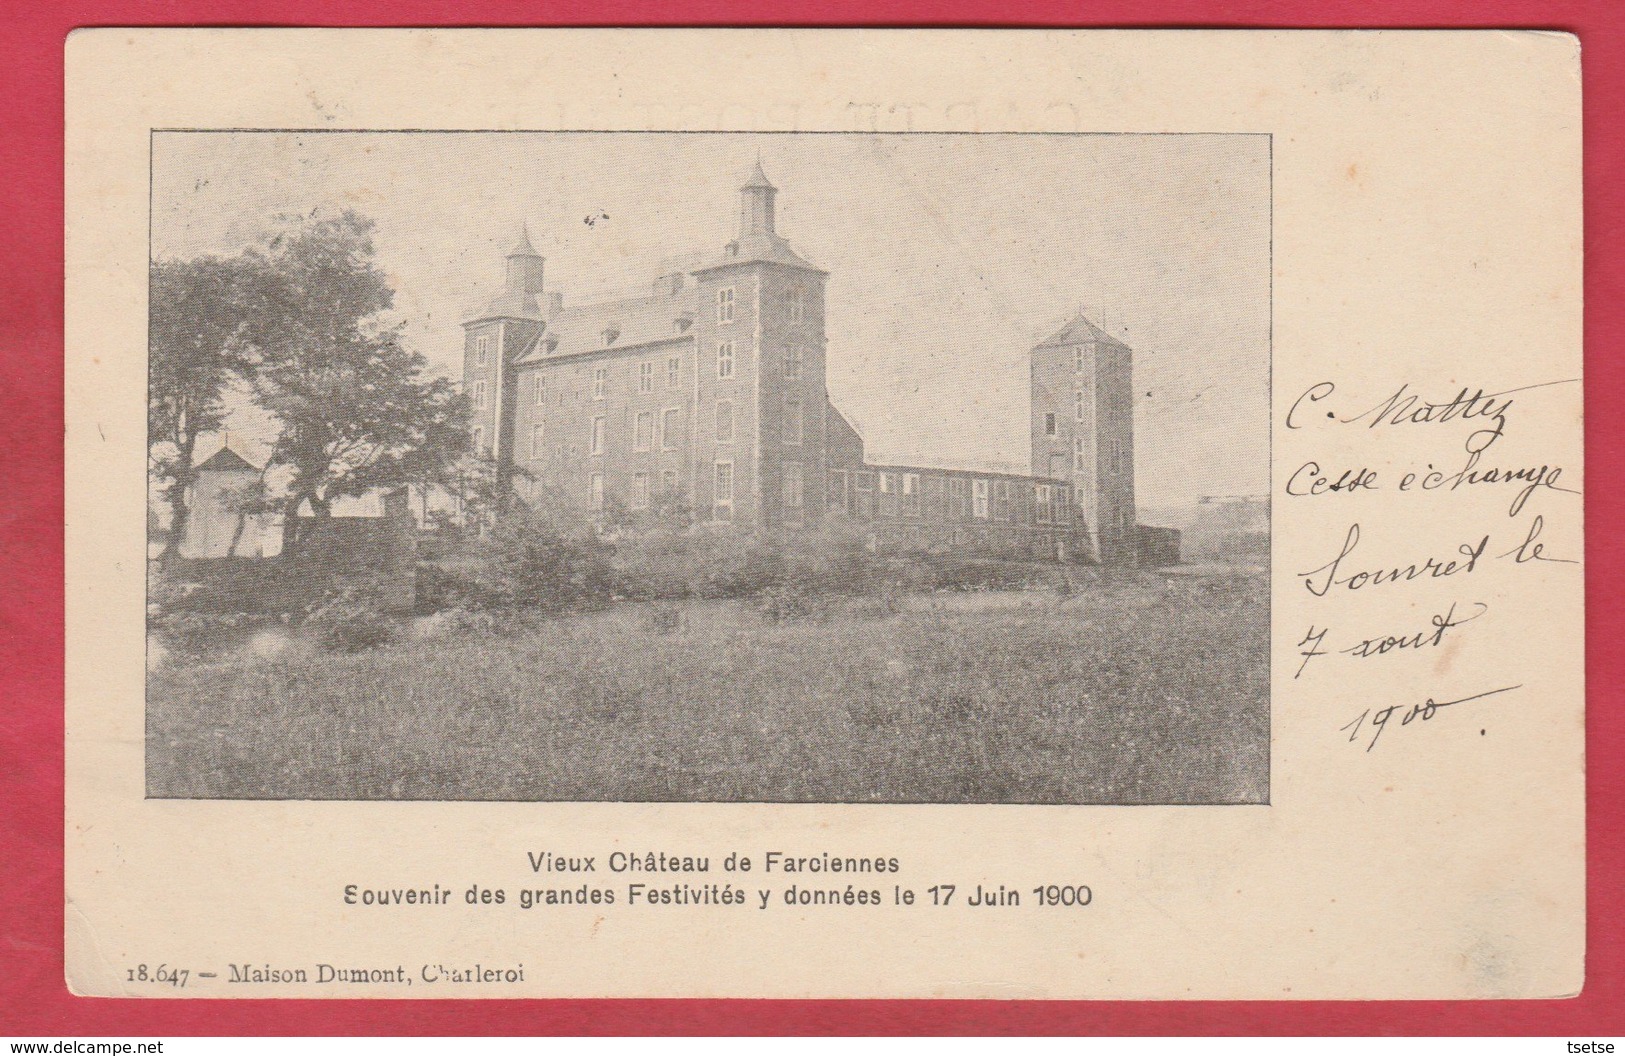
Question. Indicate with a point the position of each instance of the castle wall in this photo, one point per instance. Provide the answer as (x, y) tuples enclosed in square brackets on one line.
[(646, 439)]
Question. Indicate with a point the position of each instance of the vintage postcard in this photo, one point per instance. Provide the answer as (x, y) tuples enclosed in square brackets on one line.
[(896, 514)]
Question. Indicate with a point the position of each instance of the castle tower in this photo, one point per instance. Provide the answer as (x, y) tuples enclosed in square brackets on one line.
[(492, 340), (759, 338), (1083, 430), (524, 268)]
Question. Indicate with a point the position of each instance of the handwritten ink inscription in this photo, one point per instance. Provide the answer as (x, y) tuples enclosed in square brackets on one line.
[(1391, 562), (1378, 721), (1440, 624), (1321, 581), (1486, 414)]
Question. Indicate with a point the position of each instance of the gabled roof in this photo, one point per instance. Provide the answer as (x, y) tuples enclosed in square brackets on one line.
[(226, 460), (1078, 332), (635, 321)]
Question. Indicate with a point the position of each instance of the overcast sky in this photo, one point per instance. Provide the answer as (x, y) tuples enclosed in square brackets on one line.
[(949, 258)]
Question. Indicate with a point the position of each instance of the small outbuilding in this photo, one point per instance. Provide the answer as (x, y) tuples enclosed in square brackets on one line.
[(222, 521)]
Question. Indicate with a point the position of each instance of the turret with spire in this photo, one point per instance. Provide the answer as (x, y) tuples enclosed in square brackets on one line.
[(509, 325), (524, 266), (522, 287), (758, 240), (756, 205)]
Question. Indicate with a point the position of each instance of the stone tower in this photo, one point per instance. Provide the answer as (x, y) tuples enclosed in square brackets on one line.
[(1083, 430), (491, 342), (759, 341)]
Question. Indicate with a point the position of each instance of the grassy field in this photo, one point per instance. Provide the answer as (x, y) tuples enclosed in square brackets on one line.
[(1139, 690)]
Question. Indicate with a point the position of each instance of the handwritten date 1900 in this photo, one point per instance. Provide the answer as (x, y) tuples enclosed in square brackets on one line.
[(1378, 721)]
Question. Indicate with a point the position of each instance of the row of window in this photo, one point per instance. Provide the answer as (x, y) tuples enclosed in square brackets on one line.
[(887, 493), (793, 359), (600, 380), (866, 494), (641, 498), (726, 360), (646, 375), (792, 489), (643, 428), (1049, 501), (792, 486), (646, 371), (791, 432), (795, 304), (795, 308)]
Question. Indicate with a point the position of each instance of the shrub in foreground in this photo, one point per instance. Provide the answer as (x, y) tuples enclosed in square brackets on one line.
[(970, 574), (441, 589), (191, 637), (349, 620), (788, 603), (834, 558), (541, 559)]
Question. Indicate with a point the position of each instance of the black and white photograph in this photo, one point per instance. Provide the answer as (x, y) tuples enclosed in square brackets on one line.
[(709, 467), (940, 515)]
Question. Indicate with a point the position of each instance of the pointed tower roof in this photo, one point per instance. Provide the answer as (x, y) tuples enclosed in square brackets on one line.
[(518, 299), (522, 248), (758, 241), (1078, 332), (226, 460), (758, 178)]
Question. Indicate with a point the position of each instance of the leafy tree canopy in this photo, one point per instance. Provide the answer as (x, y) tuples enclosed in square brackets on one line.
[(196, 348), (354, 405)]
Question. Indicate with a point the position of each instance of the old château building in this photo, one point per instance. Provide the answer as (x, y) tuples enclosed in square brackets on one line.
[(709, 390)]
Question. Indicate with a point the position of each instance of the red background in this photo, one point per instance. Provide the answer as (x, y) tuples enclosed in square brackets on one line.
[(33, 997)]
